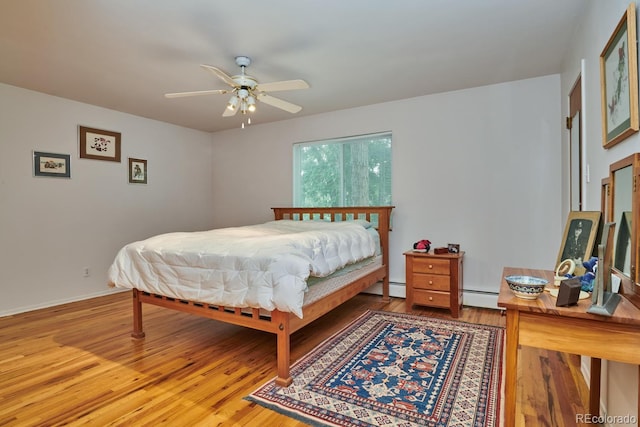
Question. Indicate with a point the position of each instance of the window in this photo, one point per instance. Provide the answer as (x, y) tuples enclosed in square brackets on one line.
[(353, 171)]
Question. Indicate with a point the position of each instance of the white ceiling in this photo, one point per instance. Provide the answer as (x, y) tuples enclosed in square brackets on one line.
[(125, 54)]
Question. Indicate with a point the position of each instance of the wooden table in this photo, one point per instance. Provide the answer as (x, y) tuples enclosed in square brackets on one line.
[(539, 323)]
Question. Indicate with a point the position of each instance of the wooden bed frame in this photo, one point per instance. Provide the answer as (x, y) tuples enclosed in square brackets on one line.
[(281, 323)]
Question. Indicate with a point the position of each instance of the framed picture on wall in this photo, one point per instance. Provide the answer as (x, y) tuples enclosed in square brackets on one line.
[(99, 144), (579, 238), (619, 81), (137, 171), (51, 164)]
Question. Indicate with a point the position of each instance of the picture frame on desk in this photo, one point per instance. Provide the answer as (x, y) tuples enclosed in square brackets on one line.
[(579, 238)]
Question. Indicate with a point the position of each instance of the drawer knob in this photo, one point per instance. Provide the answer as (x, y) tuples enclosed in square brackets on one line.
[(430, 298), (431, 282), (430, 266)]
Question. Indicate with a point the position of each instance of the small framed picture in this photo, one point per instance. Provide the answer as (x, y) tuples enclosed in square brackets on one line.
[(453, 248), (51, 164), (579, 238), (99, 144), (137, 171)]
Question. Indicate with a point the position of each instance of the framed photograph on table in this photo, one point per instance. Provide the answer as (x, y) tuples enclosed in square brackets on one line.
[(619, 81), (51, 164), (99, 144), (579, 238), (137, 171)]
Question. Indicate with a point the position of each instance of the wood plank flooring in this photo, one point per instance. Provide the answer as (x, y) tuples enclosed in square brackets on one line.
[(76, 364)]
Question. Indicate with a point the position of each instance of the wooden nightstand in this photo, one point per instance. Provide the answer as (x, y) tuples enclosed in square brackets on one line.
[(434, 280)]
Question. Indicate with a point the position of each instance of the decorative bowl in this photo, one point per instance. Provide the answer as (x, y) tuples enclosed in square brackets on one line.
[(526, 287)]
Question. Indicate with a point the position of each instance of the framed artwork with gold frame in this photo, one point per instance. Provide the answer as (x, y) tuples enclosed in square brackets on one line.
[(579, 238), (619, 81)]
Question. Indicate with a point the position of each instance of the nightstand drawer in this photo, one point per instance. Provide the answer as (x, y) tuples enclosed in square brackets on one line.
[(431, 282), (431, 299), (430, 265)]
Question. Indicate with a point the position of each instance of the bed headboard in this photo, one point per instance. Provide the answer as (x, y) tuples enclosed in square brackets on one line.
[(379, 216)]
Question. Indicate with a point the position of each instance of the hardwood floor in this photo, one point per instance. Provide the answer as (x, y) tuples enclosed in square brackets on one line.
[(76, 364)]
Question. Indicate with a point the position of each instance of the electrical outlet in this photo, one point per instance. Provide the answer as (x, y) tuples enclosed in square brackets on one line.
[(85, 272)]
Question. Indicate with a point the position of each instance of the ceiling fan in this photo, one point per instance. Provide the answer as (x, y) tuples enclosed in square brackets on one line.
[(246, 90)]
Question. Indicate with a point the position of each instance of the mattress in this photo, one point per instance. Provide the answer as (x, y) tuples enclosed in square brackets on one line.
[(261, 266), (320, 287)]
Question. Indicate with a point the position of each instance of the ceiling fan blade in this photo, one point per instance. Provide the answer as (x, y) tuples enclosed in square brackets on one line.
[(196, 93), (279, 103), (283, 85), (228, 113), (221, 74)]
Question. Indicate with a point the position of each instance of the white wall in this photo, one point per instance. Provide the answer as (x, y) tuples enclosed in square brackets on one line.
[(479, 167), (51, 228), (620, 381)]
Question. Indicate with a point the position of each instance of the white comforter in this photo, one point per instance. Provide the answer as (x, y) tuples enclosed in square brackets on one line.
[(262, 266)]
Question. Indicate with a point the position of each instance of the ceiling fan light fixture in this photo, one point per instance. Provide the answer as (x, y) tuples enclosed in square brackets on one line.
[(251, 103), (233, 103)]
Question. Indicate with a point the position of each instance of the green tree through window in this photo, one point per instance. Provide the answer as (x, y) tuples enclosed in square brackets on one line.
[(353, 171)]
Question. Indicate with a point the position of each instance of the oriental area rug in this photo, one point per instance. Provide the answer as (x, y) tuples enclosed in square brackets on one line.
[(393, 369)]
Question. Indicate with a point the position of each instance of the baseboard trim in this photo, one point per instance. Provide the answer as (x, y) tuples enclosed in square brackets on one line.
[(480, 299), (396, 290), (469, 297), (54, 303)]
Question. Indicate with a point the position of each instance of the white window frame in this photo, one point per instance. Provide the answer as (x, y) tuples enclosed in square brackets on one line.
[(297, 161)]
